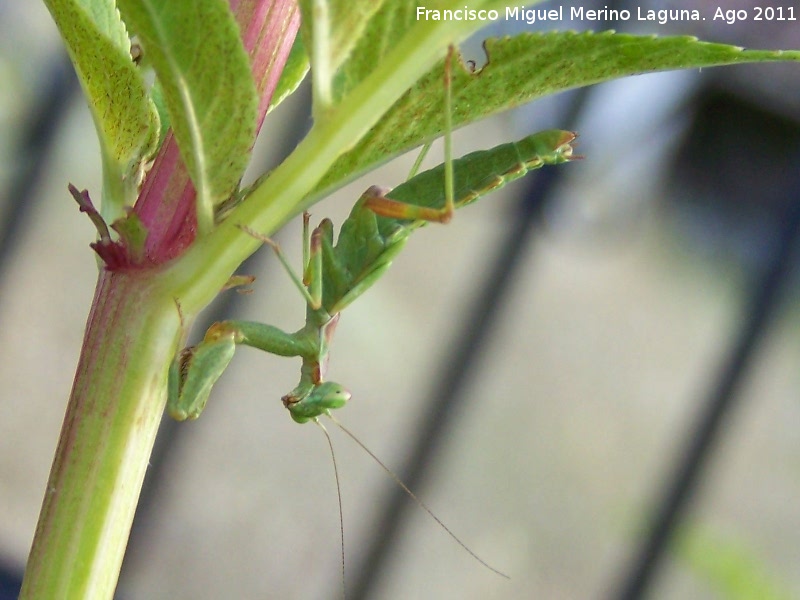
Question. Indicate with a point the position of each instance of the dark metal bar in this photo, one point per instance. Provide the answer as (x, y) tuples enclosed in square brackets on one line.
[(446, 398), (759, 310), (10, 579)]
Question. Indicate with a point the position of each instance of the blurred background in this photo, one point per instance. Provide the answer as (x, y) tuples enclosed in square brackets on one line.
[(591, 378)]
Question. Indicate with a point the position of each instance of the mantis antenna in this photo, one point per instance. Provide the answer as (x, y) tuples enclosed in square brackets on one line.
[(419, 502), (339, 496)]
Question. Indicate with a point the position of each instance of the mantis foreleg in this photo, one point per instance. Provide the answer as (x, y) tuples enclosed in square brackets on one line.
[(197, 368)]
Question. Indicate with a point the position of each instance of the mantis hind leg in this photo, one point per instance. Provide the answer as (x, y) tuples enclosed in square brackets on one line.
[(394, 209)]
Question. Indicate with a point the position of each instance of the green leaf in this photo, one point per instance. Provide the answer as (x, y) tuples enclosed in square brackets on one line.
[(126, 120), (359, 37), (521, 69), (386, 28), (294, 71), (208, 89)]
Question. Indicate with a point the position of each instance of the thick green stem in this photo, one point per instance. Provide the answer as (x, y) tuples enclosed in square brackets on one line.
[(106, 440)]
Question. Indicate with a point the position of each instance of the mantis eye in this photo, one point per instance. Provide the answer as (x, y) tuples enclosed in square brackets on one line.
[(326, 396)]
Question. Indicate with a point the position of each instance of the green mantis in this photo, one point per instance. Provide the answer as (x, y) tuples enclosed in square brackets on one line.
[(335, 274)]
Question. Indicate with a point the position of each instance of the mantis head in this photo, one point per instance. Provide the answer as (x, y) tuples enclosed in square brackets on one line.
[(322, 398)]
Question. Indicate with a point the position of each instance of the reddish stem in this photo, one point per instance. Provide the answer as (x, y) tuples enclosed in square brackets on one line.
[(166, 204)]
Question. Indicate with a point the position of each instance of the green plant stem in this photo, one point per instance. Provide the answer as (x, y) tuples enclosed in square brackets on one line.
[(113, 415)]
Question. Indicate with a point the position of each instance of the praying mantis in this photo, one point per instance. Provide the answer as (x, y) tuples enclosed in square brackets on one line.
[(334, 275)]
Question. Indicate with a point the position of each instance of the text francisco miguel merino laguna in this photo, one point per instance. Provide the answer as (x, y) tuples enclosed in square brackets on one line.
[(576, 13)]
